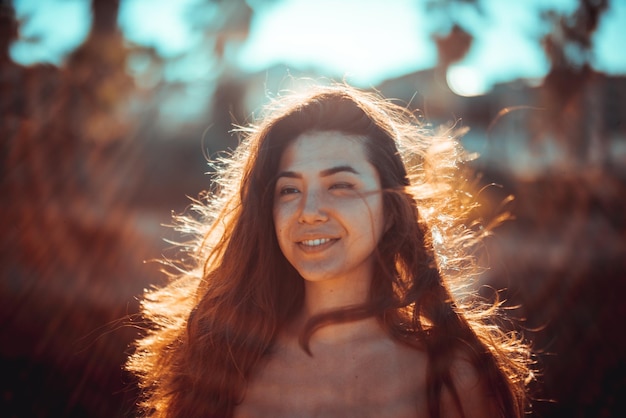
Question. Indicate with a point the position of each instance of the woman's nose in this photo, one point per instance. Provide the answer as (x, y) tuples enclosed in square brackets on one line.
[(313, 209)]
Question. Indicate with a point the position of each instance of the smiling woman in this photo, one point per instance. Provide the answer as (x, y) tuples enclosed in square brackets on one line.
[(316, 289)]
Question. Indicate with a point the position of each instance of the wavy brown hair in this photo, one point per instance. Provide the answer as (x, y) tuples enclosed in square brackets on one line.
[(223, 308)]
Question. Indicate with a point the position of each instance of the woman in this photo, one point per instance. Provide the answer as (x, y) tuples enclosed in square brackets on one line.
[(321, 279)]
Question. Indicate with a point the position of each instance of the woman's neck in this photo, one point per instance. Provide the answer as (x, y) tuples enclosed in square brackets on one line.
[(333, 294), (328, 296)]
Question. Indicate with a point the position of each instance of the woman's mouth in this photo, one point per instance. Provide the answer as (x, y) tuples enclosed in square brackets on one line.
[(316, 244)]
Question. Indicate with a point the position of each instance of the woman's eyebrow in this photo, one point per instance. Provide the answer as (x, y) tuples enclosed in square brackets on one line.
[(324, 173), (338, 169), (289, 174)]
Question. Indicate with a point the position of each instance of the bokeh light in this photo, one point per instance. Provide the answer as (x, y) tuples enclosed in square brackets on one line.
[(42, 38)]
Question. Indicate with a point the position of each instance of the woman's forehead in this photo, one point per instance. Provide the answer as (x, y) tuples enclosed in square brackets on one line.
[(325, 148)]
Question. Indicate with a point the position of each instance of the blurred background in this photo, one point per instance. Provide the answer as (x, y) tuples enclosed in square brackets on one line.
[(109, 108)]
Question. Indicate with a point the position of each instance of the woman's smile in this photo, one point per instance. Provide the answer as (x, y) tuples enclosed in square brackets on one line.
[(315, 242), (317, 245)]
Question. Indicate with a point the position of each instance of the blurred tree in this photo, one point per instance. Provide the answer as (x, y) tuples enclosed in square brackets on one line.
[(452, 47), (574, 115), (70, 252), (453, 41)]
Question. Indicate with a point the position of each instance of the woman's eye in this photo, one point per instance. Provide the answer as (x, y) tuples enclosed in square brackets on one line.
[(344, 186), (288, 190)]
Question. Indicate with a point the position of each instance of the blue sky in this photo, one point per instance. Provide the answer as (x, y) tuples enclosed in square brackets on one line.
[(364, 41)]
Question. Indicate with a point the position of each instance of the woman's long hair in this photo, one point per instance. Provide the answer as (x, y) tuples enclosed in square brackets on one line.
[(221, 311)]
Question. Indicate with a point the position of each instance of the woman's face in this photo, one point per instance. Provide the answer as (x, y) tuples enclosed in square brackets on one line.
[(328, 207)]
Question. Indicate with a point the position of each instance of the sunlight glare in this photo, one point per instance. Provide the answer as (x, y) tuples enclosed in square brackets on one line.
[(467, 81), (366, 40)]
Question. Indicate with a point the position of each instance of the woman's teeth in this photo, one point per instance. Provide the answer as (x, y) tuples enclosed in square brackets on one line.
[(315, 242)]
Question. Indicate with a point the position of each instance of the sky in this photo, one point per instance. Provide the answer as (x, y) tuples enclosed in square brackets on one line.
[(362, 41)]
